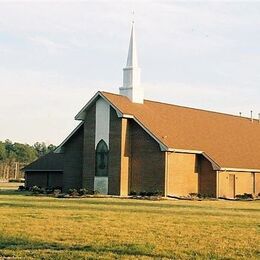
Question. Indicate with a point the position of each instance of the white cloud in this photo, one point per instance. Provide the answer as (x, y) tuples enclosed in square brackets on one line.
[(52, 46), (43, 109)]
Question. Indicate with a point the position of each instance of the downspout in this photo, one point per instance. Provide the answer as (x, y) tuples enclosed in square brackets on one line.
[(217, 184), (166, 175)]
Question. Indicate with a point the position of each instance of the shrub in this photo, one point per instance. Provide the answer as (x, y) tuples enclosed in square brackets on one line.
[(133, 193), (143, 193), (57, 188), (49, 190), (244, 196), (150, 193), (157, 193), (194, 195), (21, 188), (73, 192), (56, 191), (205, 196), (37, 190), (83, 192)]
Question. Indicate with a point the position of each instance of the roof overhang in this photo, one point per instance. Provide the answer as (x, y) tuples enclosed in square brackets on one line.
[(215, 166), (238, 170), (163, 147), (43, 170)]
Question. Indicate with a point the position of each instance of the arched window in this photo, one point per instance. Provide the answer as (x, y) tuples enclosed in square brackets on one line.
[(101, 159)]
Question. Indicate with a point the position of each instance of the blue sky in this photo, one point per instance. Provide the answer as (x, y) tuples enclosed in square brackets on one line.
[(54, 56)]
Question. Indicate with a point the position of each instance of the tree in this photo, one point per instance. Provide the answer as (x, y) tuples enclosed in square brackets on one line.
[(10, 150), (3, 153), (24, 152), (51, 148), (42, 148)]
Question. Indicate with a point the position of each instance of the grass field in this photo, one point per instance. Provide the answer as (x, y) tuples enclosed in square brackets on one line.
[(95, 228), (10, 185)]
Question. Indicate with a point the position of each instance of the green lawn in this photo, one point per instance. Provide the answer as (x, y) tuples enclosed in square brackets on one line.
[(49, 228), (10, 185)]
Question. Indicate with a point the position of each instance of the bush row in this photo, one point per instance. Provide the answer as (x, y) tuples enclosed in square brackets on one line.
[(146, 193), (201, 196), (40, 190), (57, 190), (245, 196), (82, 192)]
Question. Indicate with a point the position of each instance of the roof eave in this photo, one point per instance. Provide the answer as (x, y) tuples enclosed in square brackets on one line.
[(42, 170), (238, 169), (163, 147), (215, 166)]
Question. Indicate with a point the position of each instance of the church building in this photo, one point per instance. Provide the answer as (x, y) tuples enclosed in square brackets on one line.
[(125, 143)]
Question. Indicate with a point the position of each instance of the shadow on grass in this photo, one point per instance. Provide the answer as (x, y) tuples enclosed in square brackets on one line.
[(17, 244), (139, 208), (14, 192), (71, 202), (132, 206)]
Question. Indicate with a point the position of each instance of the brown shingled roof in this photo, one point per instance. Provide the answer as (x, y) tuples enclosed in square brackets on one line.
[(49, 162), (231, 141)]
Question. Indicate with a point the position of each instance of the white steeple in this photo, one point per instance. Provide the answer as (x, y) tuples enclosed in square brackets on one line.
[(131, 74)]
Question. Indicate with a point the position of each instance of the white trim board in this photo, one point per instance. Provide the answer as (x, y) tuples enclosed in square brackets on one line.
[(102, 121)]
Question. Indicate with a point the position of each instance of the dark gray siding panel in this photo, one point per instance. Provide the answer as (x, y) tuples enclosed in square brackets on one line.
[(73, 154), (43, 179)]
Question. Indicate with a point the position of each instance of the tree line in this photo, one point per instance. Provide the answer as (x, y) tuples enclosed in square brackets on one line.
[(14, 156), (23, 153)]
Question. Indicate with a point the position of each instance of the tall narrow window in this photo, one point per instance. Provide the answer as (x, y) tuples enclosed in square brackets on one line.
[(101, 159)]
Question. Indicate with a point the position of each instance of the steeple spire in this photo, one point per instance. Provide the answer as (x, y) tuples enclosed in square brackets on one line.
[(132, 52), (131, 73)]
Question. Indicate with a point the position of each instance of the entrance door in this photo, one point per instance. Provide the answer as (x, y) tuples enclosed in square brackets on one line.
[(232, 183)]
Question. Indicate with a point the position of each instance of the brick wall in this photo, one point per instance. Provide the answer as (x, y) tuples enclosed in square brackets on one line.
[(147, 161), (89, 149), (207, 177), (182, 174), (114, 164), (244, 183), (73, 153), (257, 183)]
